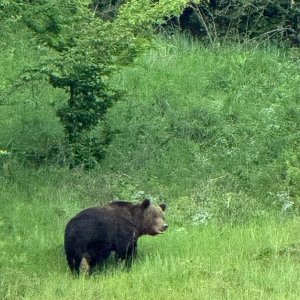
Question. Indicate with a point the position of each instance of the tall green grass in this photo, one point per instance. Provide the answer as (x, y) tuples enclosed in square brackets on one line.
[(217, 124)]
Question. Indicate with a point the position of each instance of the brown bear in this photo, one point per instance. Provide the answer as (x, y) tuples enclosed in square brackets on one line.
[(95, 232)]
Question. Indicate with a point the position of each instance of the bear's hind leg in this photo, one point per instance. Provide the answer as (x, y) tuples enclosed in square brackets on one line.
[(71, 263), (85, 266), (74, 263), (93, 257)]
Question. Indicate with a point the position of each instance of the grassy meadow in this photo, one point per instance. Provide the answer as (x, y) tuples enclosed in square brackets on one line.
[(253, 261), (211, 131)]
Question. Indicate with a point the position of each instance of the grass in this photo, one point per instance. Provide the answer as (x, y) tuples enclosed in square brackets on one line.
[(187, 262)]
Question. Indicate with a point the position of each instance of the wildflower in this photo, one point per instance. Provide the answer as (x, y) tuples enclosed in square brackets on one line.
[(4, 152)]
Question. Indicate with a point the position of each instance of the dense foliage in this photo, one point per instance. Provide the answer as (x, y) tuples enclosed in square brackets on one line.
[(231, 20), (240, 20)]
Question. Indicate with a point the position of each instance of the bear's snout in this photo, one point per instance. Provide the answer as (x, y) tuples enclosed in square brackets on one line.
[(163, 228)]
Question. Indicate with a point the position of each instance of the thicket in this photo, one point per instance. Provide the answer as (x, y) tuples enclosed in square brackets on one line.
[(231, 20), (243, 21)]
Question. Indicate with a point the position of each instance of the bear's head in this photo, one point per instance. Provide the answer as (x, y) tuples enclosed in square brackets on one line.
[(152, 218)]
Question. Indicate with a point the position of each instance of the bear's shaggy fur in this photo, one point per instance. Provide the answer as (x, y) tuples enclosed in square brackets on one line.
[(95, 232)]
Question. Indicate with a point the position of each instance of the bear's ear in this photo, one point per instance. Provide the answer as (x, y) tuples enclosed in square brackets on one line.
[(145, 203), (163, 206)]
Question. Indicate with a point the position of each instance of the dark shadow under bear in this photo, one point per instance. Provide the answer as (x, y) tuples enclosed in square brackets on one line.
[(95, 232)]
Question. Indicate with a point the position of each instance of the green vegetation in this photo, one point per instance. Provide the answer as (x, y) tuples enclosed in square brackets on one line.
[(83, 52), (211, 131)]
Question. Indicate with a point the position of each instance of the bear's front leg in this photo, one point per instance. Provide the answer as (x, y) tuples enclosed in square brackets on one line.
[(127, 253), (131, 254)]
